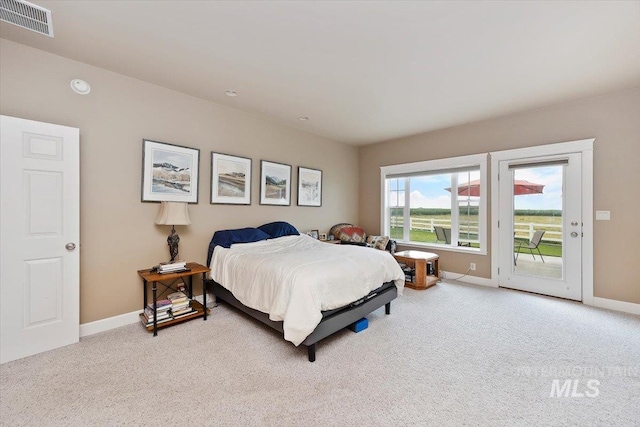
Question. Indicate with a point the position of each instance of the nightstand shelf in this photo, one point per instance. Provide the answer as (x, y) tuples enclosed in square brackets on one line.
[(417, 261), (154, 278), (198, 313), (334, 241)]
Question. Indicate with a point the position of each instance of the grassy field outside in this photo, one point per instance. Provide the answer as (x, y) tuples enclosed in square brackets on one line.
[(548, 248)]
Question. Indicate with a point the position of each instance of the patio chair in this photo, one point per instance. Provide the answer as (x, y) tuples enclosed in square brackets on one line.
[(533, 244), (443, 234)]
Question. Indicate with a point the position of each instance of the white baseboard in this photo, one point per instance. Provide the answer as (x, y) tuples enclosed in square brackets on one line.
[(211, 299), (611, 304), (475, 280), (109, 323)]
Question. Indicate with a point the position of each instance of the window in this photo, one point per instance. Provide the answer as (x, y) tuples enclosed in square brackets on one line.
[(420, 208)]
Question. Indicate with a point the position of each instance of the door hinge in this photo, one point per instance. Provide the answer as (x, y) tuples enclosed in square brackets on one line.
[(498, 271), (498, 224)]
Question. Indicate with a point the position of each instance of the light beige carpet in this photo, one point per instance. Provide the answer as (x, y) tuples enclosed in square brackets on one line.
[(451, 355)]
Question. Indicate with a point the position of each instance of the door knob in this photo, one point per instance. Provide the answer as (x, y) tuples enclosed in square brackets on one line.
[(574, 234), (574, 223), (70, 246)]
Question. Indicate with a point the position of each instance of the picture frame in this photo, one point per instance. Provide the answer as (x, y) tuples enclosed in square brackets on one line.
[(230, 179), (275, 183), (309, 187), (322, 236), (170, 173), (314, 234)]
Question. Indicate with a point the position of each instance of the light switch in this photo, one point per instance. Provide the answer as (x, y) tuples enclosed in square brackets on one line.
[(603, 215)]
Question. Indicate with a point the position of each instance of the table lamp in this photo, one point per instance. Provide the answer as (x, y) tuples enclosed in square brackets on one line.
[(173, 213)]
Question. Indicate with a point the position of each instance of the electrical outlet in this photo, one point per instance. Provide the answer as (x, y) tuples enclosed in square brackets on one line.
[(472, 266)]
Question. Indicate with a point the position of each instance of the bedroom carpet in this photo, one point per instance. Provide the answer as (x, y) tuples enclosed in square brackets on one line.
[(454, 354)]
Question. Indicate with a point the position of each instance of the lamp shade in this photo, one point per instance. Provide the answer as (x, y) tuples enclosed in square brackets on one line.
[(173, 213)]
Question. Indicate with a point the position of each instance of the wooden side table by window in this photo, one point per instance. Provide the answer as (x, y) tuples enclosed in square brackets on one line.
[(155, 278), (417, 260), (334, 241)]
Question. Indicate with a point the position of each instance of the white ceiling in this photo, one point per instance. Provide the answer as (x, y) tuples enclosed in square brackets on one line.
[(362, 72)]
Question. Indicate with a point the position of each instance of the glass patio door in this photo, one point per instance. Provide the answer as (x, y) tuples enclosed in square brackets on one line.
[(541, 225)]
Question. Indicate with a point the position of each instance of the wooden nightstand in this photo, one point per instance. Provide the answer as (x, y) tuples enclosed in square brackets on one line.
[(334, 241), (417, 260), (156, 278)]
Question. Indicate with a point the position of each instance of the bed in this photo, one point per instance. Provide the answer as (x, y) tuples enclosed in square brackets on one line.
[(305, 289)]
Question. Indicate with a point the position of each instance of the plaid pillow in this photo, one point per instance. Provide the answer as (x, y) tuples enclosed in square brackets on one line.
[(348, 233), (378, 242)]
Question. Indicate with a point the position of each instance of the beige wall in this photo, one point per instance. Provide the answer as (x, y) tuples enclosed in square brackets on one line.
[(118, 235), (614, 120)]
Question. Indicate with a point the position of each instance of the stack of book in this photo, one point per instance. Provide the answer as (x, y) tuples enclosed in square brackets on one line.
[(172, 267), (176, 306), (180, 305), (163, 312), (409, 273)]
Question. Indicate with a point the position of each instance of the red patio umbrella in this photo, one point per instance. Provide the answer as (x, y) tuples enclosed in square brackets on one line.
[(520, 187)]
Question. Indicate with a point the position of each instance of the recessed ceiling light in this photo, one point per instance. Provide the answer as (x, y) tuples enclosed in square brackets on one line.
[(231, 93), (303, 118), (80, 86)]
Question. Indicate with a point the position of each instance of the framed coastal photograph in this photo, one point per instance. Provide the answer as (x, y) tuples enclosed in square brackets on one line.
[(309, 187), (275, 183), (230, 179), (313, 233), (169, 172)]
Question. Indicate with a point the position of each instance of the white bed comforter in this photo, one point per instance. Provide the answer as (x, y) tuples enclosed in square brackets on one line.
[(294, 278)]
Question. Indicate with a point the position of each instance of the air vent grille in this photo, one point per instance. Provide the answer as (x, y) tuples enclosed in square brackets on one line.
[(27, 15)]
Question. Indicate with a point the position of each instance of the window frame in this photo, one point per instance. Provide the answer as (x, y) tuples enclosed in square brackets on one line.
[(432, 167)]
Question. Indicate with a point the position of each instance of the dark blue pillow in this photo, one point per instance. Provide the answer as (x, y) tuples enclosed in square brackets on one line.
[(226, 238), (279, 229)]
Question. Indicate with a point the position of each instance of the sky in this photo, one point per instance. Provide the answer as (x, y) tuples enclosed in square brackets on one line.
[(179, 160), (429, 191), (551, 197)]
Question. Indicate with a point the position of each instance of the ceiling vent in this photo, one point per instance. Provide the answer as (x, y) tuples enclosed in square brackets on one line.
[(27, 15)]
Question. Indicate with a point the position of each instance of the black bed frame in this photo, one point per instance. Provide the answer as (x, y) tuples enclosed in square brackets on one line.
[(332, 321)]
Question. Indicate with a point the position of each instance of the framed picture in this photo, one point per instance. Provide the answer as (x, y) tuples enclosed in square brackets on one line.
[(275, 184), (169, 172), (314, 234), (309, 187), (322, 236), (230, 179)]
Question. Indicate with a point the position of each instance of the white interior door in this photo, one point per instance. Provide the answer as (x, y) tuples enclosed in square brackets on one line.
[(554, 267), (40, 230)]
